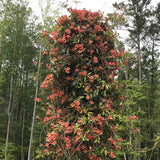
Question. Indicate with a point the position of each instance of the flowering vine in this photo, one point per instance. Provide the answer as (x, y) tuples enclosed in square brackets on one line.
[(81, 102)]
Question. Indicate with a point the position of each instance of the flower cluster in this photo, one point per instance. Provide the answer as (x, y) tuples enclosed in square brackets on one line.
[(80, 89)]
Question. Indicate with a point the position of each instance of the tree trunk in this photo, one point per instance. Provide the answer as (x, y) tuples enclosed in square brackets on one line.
[(126, 73), (34, 110), (124, 155), (22, 154), (149, 114), (139, 66), (9, 117), (140, 81)]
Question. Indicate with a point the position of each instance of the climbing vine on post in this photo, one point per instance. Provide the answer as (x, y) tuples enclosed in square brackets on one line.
[(81, 90)]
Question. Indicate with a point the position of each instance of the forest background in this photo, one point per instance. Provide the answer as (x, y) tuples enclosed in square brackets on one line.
[(23, 69)]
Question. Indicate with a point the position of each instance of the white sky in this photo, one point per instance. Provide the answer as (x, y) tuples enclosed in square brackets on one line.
[(93, 5)]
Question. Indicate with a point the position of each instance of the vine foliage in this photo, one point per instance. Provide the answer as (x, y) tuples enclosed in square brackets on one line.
[(81, 99)]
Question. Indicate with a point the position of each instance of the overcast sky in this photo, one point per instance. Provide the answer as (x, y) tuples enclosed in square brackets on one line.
[(93, 5)]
